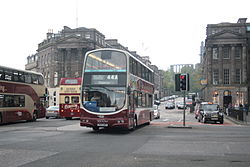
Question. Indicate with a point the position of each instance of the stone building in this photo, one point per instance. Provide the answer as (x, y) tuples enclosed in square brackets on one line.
[(61, 55), (178, 67), (226, 63)]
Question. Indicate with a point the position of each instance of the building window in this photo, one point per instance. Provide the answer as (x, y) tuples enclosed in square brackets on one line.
[(238, 52), (87, 36), (215, 53), (248, 28), (225, 53), (215, 77), (238, 76), (214, 31), (226, 76)]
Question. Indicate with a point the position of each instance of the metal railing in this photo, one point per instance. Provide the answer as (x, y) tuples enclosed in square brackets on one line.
[(240, 114)]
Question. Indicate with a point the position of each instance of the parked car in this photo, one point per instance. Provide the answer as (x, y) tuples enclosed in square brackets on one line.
[(210, 112), (156, 112), (169, 105), (52, 111), (189, 102), (157, 102), (180, 105)]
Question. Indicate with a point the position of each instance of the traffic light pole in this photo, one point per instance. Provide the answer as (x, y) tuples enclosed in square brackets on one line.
[(184, 110), (182, 84)]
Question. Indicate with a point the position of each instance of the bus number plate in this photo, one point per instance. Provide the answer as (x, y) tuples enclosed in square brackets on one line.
[(102, 125)]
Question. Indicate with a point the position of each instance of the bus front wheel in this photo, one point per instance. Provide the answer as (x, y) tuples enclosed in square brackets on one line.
[(34, 116), (95, 128), (1, 118), (134, 123)]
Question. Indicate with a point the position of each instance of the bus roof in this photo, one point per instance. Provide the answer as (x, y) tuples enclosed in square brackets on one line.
[(70, 81), (126, 52), (27, 71)]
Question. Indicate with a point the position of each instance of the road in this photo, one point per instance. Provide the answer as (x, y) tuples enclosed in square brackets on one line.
[(57, 142)]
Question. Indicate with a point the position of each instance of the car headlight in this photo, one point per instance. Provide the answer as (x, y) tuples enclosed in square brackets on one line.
[(207, 115)]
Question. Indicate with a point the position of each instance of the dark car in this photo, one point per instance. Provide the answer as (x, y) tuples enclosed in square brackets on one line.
[(210, 112)]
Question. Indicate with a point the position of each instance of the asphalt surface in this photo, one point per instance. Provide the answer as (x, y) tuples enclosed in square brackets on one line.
[(57, 142)]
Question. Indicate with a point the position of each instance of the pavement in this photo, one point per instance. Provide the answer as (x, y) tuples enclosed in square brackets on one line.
[(237, 121)]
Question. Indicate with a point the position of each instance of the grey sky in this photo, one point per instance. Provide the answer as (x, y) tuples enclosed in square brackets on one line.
[(169, 32)]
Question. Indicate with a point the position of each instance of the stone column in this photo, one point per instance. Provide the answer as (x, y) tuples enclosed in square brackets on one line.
[(61, 60), (209, 66), (67, 63), (79, 61), (244, 64), (233, 74), (220, 61)]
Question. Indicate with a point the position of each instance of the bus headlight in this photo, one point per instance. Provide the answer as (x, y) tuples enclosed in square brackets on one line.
[(120, 121), (85, 120)]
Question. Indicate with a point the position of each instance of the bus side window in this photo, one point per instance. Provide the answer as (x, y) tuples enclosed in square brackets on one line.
[(66, 99), (75, 99), (150, 100), (1, 74), (21, 77), (27, 78), (1, 100), (8, 75), (40, 80), (135, 98), (34, 79)]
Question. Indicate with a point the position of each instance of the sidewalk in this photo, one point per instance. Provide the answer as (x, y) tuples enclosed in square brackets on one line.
[(237, 121)]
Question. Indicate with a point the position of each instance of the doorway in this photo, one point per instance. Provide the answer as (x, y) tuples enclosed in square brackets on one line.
[(227, 98)]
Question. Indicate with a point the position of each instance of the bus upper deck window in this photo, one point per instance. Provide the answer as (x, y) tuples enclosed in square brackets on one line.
[(106, 54), (66, 99), (75, 99)]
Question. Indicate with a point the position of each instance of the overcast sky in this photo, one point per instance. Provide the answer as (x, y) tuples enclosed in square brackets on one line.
[(168, 31)]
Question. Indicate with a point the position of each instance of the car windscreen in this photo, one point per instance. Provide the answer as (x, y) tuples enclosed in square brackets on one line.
[(210, 107)]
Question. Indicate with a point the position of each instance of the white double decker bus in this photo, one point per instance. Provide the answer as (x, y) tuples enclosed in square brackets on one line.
[(22, 95)]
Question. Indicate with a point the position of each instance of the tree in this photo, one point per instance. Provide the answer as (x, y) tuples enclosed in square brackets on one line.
[(194, 75)]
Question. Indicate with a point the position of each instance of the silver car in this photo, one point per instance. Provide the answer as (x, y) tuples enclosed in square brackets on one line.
[(180, 105), (156, 112), (52, 111), (169, 105)]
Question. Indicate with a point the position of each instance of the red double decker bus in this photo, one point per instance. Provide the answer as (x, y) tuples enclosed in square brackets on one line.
[(117, 90), (69, 97), (21, 95)]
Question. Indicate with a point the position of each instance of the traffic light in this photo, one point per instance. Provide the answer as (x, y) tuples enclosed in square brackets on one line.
[(177, 82), (184, 82)]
